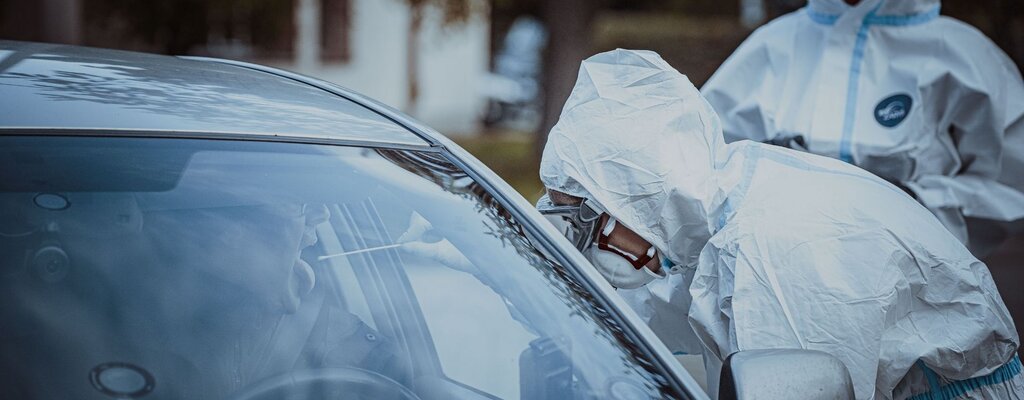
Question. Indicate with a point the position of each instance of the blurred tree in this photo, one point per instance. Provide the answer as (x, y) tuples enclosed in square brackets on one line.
[(1001, 20), (180, 26), (54, 21), (569, 43), (454, 12), (570, 33), (1008, 15)]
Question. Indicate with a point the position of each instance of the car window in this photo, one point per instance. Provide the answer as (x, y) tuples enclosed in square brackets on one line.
[(172, 268)]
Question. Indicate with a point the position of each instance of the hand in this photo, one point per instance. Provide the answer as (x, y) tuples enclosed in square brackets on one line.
[(420, 241), (795, 142)]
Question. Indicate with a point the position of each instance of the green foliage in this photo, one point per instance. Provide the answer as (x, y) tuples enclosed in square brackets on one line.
[(511, 156)]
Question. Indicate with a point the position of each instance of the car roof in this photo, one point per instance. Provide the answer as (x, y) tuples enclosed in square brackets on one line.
[(61, 88)]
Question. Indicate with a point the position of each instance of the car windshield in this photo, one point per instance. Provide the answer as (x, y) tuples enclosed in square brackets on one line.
[(179, 268)]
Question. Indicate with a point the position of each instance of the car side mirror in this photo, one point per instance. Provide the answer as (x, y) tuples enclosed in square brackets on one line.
[(784, 374)]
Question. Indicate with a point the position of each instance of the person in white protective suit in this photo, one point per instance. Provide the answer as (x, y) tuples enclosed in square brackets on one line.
[(924, 101), (758, 246)]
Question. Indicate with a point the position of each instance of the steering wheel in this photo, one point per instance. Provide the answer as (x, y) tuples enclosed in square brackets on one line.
[(326, 383)]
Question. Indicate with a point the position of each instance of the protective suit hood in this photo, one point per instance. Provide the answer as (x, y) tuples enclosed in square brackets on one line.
[(885, 7), (636, 136)]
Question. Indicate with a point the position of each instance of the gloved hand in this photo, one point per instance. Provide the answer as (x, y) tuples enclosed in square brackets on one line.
[(795, 142), (420, 241), (902, 187)]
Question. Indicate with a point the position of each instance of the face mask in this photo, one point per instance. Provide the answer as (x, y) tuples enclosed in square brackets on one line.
[(621, 269)]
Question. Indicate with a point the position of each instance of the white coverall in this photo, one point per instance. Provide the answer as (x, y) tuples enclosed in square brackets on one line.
[(776, 248), (919, 99)]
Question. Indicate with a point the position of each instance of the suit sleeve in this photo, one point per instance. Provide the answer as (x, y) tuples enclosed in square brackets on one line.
[(984, 114)]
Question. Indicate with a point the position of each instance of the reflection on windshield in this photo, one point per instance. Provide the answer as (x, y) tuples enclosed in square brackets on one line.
[(85, 86), (504, 228), (260, 270)]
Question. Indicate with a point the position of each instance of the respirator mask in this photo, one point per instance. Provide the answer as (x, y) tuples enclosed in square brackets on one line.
[(580, 223)]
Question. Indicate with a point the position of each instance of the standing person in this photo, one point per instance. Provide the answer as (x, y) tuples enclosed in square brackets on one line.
[(758, 246), (923, 101)]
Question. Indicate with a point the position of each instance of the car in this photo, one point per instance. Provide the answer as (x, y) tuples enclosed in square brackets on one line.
[(183, 227)]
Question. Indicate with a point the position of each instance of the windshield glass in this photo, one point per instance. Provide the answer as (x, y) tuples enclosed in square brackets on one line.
[(171, 268)]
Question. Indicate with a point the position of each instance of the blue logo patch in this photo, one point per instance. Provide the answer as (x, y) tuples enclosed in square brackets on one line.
[(893, 110)]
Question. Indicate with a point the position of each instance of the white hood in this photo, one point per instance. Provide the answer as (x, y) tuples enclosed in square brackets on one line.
[(637, 137)]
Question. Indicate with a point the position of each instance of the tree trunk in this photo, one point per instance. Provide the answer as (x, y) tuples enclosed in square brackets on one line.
[(412, 56), (569, 42), (1007, 13), (63, 21)]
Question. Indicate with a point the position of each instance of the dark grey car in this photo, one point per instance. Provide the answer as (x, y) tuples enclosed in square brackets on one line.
[(177, 228)]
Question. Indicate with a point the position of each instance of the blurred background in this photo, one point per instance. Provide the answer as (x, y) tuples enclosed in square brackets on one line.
[(491, 74)]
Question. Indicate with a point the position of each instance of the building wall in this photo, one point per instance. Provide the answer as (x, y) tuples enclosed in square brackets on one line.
[(452, 61)]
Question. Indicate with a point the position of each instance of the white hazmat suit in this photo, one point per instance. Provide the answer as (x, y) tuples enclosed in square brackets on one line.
[(775, 248), (919, 99)]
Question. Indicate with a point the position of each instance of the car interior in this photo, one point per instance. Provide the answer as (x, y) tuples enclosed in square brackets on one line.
[(169, 268)]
